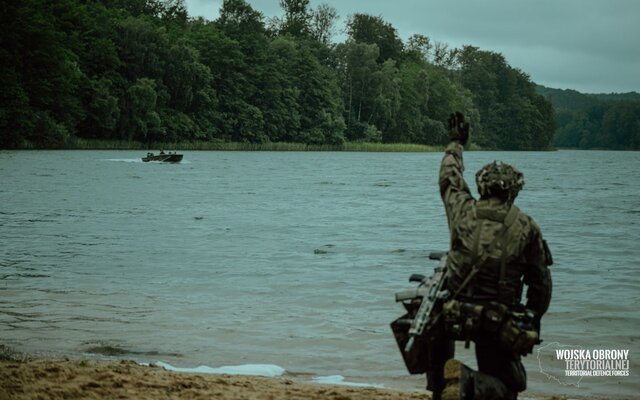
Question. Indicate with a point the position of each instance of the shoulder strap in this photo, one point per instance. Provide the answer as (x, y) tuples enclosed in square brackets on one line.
[(509, 219)]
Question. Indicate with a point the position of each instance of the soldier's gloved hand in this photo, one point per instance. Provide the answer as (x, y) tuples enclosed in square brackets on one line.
[(458, 129)]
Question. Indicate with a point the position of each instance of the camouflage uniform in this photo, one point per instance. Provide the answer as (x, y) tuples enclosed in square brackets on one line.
[(526, 257)]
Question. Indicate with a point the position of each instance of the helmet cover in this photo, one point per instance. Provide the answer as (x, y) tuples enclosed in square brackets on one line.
[(498, 179)]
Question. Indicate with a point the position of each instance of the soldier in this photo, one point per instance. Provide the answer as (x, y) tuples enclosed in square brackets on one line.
[(495, 249)]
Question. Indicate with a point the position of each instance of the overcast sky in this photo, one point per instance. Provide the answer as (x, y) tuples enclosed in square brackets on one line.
[(592, 46)]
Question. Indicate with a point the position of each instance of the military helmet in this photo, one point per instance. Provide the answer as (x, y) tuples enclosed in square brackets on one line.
[(498, 179)]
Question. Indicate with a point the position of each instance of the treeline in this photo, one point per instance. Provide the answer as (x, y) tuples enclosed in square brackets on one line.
[(142, 70), (595, 121)]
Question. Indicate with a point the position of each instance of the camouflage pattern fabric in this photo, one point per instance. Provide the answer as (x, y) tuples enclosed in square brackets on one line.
[(499, 180), (526, 254)]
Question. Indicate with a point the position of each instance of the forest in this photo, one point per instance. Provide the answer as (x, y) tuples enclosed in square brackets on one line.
[(595, 121), (145, 71)]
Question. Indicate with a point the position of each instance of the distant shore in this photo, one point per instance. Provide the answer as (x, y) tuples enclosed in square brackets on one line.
[(95, 144)]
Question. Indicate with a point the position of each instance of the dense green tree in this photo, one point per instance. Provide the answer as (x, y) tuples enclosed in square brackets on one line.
[(364, 28), (142, 48), (16, 115), (411, 112), (512, 115), (282, 111), (357, 68), (224, 58), (41, 73), (297, 18), (319, 99), (595, 121), (103, 111), (243, 121), (386, 98), (621, 125), (140, 119), (184, 75)]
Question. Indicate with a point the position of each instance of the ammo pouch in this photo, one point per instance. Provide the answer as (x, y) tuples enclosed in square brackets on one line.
[(462, 321), (519, 333), (515, 331)]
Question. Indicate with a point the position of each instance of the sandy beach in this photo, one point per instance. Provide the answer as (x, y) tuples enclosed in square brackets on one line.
[(126, 379), (84, 379)]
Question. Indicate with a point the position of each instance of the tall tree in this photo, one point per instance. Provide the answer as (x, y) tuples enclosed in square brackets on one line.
[(297, 18), (239, 22), (140, 118), (357, 67), (364, 28), (323, 21), (142, 48)]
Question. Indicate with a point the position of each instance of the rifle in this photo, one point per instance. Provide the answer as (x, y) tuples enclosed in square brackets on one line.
[(420, 304)]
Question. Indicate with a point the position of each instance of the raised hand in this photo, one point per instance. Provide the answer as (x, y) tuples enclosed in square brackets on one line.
[(458, 129)]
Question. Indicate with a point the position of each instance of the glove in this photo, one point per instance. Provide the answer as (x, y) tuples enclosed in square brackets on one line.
[(458, 129)]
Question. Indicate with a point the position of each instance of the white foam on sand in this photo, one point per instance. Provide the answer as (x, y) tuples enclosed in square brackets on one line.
[(339, 380), (268, 370)]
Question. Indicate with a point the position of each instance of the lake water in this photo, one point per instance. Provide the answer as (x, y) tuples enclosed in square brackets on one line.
[(293, 259)]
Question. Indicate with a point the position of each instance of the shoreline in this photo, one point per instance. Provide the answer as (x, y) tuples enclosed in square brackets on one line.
[(96, 144), (125, 379), (23, 377)]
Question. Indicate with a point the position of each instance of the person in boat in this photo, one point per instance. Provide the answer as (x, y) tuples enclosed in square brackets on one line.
[(494, 249), (162, 152)]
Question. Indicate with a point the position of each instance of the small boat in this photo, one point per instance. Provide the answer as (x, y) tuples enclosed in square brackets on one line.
[(163, 157)]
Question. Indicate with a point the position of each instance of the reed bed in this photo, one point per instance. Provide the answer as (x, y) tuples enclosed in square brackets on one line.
[(98, 144)]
